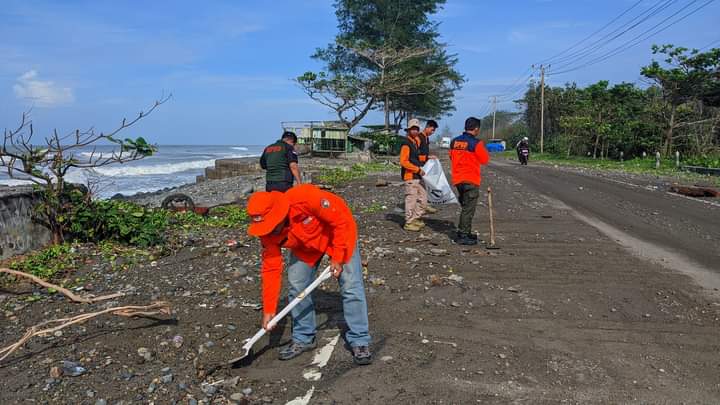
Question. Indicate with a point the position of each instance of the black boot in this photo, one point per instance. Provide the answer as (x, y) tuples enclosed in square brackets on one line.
[(466, 239)]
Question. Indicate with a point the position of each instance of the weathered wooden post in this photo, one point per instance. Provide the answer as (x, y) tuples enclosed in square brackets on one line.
[(657, 160), (621, 156)]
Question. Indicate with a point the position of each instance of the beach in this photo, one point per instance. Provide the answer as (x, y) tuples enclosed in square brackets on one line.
[(561, 312)]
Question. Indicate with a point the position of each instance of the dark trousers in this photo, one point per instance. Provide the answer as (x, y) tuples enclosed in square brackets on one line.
[(281, 186), (468, 194)]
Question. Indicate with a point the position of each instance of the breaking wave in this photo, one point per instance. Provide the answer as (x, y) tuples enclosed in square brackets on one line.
[(149, 170)]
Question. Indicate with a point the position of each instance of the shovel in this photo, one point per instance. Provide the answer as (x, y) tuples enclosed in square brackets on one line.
[(326, 274), (492, 223)]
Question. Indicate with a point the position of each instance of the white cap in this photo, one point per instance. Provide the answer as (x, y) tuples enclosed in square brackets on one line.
[(413, 123)]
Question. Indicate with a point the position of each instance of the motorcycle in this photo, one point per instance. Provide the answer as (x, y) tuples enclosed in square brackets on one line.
[(523, 155)]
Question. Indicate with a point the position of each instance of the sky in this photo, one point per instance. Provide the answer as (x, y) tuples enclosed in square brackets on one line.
[(229, 65)]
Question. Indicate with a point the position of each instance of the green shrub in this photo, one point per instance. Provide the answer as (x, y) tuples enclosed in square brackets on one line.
[(119, 221), (712, 161)]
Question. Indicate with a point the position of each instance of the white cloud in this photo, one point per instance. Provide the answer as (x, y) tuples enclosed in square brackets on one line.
[(41, 93)]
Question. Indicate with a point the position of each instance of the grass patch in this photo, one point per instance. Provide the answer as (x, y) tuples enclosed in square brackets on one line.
[(373, 208), (48, 262), (229, 216), (335, 176)]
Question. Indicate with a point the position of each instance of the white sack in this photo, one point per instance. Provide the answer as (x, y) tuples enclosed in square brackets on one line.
[(436, 184)]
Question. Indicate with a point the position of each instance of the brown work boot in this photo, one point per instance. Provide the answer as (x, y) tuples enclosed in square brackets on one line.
[(419, 222), (431, 210)]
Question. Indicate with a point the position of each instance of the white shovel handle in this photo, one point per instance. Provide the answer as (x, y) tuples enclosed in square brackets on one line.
[(326, 274)]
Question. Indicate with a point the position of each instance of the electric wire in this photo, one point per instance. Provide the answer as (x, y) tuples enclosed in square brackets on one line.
[(637, 39), (656, 9), (548, 60)]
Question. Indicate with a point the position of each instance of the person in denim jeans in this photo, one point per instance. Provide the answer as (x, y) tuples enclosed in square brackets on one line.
[(352, 290), (311, 223)]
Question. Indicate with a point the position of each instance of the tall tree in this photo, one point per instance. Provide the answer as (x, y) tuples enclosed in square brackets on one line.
[(688, 76), (386, 55)]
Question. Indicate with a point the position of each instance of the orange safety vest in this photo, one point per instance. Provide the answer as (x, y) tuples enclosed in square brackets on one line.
[(410, 158)]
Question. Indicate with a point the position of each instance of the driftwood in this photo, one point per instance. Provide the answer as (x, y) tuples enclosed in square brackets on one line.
[(63, 291), (48, 327), (695, 191)]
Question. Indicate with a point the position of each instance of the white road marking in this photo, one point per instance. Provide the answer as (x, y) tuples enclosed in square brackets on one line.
[(302, 400), (320, 360), (313, 373)]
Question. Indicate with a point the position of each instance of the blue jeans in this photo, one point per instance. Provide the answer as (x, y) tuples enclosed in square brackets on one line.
[(352, 289)]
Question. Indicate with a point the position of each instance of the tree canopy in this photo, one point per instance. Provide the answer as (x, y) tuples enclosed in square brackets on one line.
[(386, 56)]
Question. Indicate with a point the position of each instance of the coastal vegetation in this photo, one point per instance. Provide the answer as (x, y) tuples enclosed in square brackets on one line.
[(335, 176), (678, 110), (47, 163)]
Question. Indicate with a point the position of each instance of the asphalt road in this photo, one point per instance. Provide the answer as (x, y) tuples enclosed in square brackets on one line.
[(677, 226)]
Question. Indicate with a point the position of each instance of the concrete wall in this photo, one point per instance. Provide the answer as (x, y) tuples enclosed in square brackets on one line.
[(225, 168), (18, 233)]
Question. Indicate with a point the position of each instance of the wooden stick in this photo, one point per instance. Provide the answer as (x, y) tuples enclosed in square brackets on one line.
[(44, 328), (63, 291), (492, 223)]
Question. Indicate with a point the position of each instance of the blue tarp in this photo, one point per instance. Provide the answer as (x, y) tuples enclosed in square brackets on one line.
[(494, 147)]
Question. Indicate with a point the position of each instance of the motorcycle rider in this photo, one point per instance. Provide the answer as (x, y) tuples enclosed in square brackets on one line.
[(521, 145)]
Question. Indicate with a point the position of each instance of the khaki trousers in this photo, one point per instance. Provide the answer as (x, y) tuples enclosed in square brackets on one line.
[(415, 200)]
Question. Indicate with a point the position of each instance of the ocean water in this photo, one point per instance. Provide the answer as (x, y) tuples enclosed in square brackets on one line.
[(172, 165)]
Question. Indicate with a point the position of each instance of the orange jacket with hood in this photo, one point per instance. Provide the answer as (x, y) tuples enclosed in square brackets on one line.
[(320, 223)]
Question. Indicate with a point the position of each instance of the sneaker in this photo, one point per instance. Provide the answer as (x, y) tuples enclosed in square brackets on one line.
[(412, 227), (362, 355), (420, 223), (431, 210), (466, 239), (472, 235), (295, 349)]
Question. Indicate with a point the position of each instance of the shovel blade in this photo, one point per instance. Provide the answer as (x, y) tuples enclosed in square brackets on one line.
[(246, 356)]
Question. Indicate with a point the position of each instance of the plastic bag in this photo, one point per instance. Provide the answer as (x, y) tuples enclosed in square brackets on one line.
[(436, 184)]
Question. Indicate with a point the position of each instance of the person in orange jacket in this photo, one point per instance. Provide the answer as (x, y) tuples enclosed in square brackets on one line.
[(411, 173), (467, 154), (311, 223)]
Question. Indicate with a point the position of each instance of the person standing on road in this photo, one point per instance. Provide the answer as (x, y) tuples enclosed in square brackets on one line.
[(411, 173), (311, 223), (425, 135), (280, 162), (467, 154)]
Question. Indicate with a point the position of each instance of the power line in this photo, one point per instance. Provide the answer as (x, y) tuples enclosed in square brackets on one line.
[(659, 7), (548, 60), (639, 38), (519, 85), (717, 41)]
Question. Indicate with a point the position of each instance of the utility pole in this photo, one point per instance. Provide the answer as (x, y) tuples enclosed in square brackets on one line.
[(494, 111), (542, 107)]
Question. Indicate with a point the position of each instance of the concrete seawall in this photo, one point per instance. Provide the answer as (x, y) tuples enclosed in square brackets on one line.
[(225, 168), (18, 232)]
